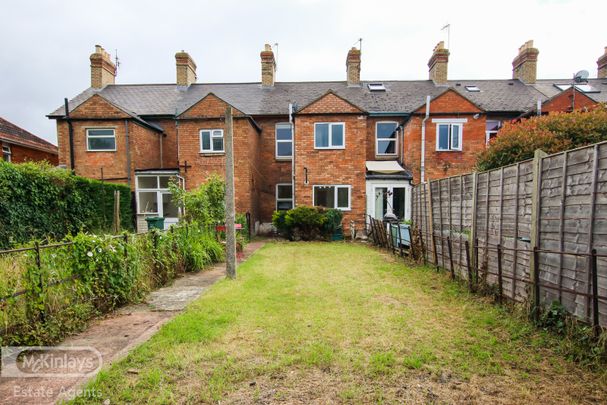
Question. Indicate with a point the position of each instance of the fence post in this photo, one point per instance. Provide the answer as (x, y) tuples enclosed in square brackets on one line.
[(535, 220), (473, 238), (467, 243), (126, 250), (434, 248), (423, 249), (595, 294), (40, 282), (450, 258), (535, 310), (500, 287), (476, 269)]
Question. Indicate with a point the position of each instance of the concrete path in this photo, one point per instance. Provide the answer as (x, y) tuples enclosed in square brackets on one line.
[(117, 333)]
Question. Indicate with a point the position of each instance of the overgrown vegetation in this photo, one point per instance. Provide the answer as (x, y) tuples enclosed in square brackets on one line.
[(40, 201), (343, 323), (551, 133), (92, 275), (307, 223)]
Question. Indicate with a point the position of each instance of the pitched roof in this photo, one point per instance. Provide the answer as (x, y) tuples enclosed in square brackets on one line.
[(549, 89), (253, 99), (11, 133)]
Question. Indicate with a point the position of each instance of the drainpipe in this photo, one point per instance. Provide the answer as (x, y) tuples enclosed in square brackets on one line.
[(128, 151), (292, 122), (423, 148), (70, 131)]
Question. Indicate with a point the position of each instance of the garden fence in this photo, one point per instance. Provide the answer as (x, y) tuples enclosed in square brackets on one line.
[(536, 231)]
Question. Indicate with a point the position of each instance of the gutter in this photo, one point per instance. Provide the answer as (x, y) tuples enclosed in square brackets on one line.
[(423, 146)]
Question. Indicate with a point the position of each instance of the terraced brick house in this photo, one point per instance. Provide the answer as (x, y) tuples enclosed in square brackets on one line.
[(19, 145), (353, 145)]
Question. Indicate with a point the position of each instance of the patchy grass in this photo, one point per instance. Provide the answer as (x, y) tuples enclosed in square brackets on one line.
[(319, 322)]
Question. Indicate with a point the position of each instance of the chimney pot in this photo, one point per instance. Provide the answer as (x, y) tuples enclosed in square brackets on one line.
[(353, 67), (524, 66), (268, 66), (103, 69), (185, 69), (601, 64), (438, 64)]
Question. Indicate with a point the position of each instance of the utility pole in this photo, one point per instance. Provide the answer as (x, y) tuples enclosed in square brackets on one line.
[(230, 211)]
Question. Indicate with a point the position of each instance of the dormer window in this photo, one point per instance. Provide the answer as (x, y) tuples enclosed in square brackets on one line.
[(376, 87)]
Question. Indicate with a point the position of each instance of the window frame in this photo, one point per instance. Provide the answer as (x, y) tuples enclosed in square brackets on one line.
[(7, 152), (336, 187), (87, 130), (160, 191), (459, 122), (331, 125), (277, 141), (277, 200), (211, 137), (395, 140), (489, 133)]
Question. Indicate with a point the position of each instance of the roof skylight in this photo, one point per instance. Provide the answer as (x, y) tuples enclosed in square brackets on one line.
[(584, 88), (473, 89), (376, 87)]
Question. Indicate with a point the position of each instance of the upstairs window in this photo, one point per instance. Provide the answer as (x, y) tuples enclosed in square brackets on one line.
[(332, 197), (284, 197), (449, 134), (6, 153), (492, 128), (211, 140), (329, 135), (284, 141), (385, 138), (100, 140)]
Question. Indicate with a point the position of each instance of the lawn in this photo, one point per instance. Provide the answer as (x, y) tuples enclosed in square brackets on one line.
[(344, 323)]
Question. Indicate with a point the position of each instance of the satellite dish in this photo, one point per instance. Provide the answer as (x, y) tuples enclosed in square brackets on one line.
[(581, 76)]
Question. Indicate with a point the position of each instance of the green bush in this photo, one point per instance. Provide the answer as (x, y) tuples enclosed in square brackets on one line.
[(551, 133), (205, 204), (307, 223), (102, 273), (39, 202)]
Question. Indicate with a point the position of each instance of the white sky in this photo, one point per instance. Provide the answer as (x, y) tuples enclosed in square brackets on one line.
[(45, 45)]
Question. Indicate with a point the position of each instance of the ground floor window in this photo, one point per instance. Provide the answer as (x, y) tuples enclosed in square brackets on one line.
[(332, 196), (284, 197), (6, 153), (154, 197), (492, 128)]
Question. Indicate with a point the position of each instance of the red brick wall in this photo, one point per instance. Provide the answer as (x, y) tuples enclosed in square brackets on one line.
[(333, 166), (443, 164), (169, 142), (564, 101), (143, 142), (330, 104), (371, 128), (20, 154)]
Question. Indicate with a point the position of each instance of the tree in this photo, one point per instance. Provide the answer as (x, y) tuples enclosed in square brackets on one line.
[(551, 133)]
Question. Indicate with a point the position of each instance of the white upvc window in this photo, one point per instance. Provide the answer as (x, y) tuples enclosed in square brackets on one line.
[(332, 196), (284, 141), (6, 153), (492, 128), (284, 196), (385, 138), (154, 196), (449, 133), (100, 140), (211, 141), (329, 135)]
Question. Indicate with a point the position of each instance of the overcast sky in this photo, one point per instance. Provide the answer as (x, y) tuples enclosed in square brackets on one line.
[(45, 45)]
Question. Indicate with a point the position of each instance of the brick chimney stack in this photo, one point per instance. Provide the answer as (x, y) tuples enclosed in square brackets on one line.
[(353, 67), (268, 66), (602, 66), (438, 64), (186, 69), (524, 66), (103, 70)]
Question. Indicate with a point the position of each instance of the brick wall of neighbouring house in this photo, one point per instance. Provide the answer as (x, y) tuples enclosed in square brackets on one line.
[(144, 143), (334, 166), (441, 164), (273, 171), (371, 143), (21, 154), (169, 142), (564, 101)]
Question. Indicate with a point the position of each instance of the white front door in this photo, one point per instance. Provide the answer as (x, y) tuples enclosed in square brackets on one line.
[(385, 197)]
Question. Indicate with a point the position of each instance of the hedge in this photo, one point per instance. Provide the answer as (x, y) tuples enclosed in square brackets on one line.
[(39, 201)]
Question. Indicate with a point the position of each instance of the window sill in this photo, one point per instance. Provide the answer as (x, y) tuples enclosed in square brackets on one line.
[(337, 148), (212, 153), (102, 151), (386, 157), (283, 159), (449, 150)]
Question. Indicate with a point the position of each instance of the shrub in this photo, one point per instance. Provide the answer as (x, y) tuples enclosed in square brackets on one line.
[(551, 133), (39, 201), (205, 204), (307, 223)]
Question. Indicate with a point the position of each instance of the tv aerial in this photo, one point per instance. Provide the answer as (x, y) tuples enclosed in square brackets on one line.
[(581, 76)]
